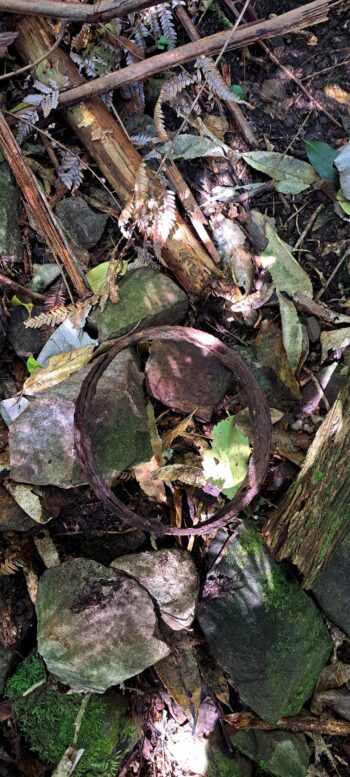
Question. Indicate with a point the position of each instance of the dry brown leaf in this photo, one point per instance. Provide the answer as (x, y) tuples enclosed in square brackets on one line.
[(334, 340), (180, 675), (59, 368), (27, 498), (270, 353), (177, 431), (153, 487), (191, 475)]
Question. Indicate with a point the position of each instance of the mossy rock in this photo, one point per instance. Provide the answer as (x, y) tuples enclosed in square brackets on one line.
[(47, 721), (281, 754), (222, 765)]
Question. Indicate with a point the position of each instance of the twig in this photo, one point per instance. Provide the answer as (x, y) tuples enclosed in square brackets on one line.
[(333, 274), (101, 10), (306, 229), (41, 210), (22, 289), (233, 108), (32, 65), (304, 16), (298, 723)]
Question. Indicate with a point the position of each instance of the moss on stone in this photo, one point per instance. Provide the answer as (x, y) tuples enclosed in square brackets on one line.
[(47, 721)]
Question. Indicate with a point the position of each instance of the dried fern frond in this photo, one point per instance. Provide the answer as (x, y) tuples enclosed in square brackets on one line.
[(166, 19), (57, 295), (58, 315), (125, 217), (12, 562), (131, 47), (71, 171), (141, 188), (165, 219), (168, 92), (215, 80), (82, 39)]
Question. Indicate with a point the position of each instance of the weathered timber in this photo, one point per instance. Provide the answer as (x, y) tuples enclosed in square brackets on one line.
[(116, 157), (314, 516), (296, 724), (304, 16), (98, 11), (40, 209)]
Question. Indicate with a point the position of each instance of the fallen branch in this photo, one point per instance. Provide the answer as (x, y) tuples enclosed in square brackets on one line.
[(23, 290), (116, 157), (298, 723), (233, 108), (75, 12), (40, 208), (259, 417), (304, 16)]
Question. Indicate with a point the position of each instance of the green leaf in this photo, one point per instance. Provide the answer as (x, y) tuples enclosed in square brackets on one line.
[(292, 335), (98, 275), (296, 174), (226, 464), (15, 302), (163, 41), (287, 274), (32, 364), (321, 155), (238, 91), (343, 202)]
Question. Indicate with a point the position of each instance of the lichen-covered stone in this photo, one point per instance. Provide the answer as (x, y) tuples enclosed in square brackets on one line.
[(96, 626), (221, 765), (170, 577), (279, 753), (263, 629), (106, 733), (332, 585), (81, 223), (10, 199), (42, 449), (147, 298)]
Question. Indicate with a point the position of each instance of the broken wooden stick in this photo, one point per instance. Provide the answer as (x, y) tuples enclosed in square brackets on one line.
[(298, 723), (41, 211), (233, 108), (98, 11), (304, 16), (116, 157)]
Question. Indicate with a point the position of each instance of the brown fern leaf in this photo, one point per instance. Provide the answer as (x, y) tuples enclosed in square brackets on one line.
[(169, 91), (215, 80), (58, 315), (82, 39), (57, 295), (12, 562), (126, 217), (130, 46), (141, 188)]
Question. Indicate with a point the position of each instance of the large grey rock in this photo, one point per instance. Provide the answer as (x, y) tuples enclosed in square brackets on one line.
[(332, 585), (10, 200), (147, 298), (278, 753), (41, 440), (96, 626), (170, 577), (81, 223), (24, 341), (263, 629)]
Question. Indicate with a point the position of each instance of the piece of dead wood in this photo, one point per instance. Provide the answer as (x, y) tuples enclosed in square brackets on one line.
[(233, 108), (304, 16), (40, 209), (98, 11), (298, 723), (116, 157), (22, 290), (259, 417)]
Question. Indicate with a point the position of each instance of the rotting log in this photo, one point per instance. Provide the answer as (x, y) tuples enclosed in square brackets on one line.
[(245, 35), (297, 724), (49, 226), (314, 516), (115, 156), (58, 9)]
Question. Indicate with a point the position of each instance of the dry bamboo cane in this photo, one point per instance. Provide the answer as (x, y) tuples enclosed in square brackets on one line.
[(114, 154)]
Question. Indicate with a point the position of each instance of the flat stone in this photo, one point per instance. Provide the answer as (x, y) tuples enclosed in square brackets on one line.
[(12, 517), (147, 298), (24, 341), (185, 378), (332, 585), (41, 440), (278, 753), (10, 203), (262, 628), (96, 626), (170, 577), (81, 223)]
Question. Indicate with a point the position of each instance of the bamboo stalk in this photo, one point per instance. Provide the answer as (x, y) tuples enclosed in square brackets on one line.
[(40, 208), (233, 108), (116, 157), (101, 10), (304, 16)]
